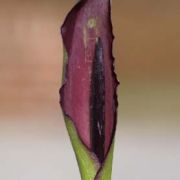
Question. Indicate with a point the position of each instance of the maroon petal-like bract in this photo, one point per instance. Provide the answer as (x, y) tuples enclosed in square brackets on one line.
[(88, 95)]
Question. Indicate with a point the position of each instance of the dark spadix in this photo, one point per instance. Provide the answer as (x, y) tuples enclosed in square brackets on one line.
[(88, 94)]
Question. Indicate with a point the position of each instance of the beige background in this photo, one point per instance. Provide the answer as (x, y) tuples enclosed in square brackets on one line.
[(33, 141)]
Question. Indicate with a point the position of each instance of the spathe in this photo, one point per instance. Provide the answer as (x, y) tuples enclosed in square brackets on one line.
[(88, 94)]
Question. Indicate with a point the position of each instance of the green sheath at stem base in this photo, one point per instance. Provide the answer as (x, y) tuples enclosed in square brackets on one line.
[(89, 168)]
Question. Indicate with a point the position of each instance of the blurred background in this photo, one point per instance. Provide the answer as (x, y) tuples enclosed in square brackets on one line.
[(34, 144)]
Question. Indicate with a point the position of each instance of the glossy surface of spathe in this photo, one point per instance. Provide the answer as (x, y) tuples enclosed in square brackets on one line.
[(87, 22)]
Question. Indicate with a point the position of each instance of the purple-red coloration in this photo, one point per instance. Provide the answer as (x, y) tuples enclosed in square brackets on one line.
[(88, 21)]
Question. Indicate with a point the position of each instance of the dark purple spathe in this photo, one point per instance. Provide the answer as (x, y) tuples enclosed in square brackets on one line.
[(87, 37)]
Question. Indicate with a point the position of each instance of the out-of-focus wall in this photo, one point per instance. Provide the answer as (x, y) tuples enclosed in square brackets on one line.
[(31, 53)]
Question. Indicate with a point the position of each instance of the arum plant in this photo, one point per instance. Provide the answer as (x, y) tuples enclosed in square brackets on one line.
[(88, 93)]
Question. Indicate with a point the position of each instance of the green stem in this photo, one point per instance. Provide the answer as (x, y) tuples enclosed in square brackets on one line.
[(88, 166)]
